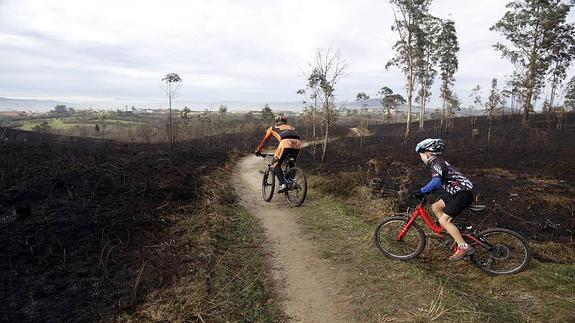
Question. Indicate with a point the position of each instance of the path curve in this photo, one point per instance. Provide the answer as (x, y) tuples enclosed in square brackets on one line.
[(312, 291)]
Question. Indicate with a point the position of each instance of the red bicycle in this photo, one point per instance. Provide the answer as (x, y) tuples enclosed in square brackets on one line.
[(498, 251)]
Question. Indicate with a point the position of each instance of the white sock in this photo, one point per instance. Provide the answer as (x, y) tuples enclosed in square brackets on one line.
[(463, 245)]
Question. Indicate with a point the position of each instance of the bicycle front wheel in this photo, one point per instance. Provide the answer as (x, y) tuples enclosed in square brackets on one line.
[(268, 184), (507, 252), (410, 246), (297, 186)]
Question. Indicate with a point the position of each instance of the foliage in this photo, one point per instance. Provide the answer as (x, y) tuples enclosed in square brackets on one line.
[(60, 109), (43, 127), (171, 84), (267, 114), (539, 37), (409, 17), (448, 65), (389, 100), (326, 70), (569, 102)]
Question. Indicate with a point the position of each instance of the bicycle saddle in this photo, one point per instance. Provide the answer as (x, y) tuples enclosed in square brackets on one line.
[(476, 207)]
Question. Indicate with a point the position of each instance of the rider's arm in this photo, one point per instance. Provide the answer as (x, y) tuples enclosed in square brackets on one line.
[(265, 140), (434, 184)]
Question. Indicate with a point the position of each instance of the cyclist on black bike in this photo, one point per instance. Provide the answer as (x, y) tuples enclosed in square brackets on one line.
[(458, 187), (289, 145)]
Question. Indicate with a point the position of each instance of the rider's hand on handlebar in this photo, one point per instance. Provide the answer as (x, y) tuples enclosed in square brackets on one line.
[(416, 194)]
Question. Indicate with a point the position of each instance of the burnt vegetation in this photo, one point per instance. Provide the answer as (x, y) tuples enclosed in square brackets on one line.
[(523, 174), (91, 229)]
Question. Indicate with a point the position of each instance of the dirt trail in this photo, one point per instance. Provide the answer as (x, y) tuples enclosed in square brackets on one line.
[(312, 291)]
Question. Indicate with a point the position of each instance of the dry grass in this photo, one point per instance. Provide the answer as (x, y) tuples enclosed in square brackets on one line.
[(428, 287), (554, 252), (342, 184), (231, 282), (495, 172), (558, 201)]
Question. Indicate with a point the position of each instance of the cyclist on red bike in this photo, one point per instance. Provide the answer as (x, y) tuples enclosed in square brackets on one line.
[(289, 145), (459, 192)]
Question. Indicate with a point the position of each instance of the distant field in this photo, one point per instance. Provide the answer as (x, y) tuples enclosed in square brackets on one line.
[(68, 123)]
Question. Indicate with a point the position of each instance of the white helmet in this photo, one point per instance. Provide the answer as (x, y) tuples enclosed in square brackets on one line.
[(435, 146)]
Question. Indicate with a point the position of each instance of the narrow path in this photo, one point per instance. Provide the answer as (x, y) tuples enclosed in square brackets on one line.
[(311, 290)]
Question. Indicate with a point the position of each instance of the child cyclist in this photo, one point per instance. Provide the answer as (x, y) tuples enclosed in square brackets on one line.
[(458, 187)]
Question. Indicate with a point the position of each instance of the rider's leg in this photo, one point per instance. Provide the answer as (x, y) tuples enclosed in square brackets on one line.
[(446, 221), (279, 157), (279, 172)]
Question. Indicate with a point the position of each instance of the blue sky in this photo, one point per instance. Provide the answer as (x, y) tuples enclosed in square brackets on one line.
[(116, 51)]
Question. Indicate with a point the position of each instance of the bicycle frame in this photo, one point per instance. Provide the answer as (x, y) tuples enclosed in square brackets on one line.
[(437, 229)]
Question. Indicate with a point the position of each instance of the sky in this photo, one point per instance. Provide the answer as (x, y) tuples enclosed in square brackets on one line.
[(117, 51)]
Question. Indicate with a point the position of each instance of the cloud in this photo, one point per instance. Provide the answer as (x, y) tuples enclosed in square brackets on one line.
[(252, 50)]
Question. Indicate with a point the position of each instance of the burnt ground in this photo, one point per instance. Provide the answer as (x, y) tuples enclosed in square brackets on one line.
[(525, 175), (81, 218)]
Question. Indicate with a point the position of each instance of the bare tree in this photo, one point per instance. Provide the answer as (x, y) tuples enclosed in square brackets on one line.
[(476, 96), (312, 93), (493, 106), (326, 70), (171, 84), (363, 125)]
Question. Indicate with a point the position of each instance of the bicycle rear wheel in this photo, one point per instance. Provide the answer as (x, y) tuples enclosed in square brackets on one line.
[(297, 186), (508, 252), (410, 246), (268, 184)]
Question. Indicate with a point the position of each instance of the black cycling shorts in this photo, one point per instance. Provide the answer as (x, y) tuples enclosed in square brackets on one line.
[(454, 204)]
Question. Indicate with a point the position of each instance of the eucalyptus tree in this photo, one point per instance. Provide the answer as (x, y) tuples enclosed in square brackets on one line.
[(222, 110), (426, 59), (535, 31), (389, 100), (493, 105), (362, 98), (267, 113), (171, 84), (310, 101), (569, 102), (476, 96), (327, 69), (447, 50), (409, 16), (560, 58)]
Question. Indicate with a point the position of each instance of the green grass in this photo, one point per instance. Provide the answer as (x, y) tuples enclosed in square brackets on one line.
[(430, 287), (56, 124)]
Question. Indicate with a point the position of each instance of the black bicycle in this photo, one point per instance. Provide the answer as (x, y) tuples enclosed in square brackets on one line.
[(294, 178)]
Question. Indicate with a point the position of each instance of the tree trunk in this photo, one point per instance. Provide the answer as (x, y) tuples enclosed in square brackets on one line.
[(489, 131), (530, 81), (442, 122), (324, 154), (422, 107), (313, 130), (409, 102), (170, 125)]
